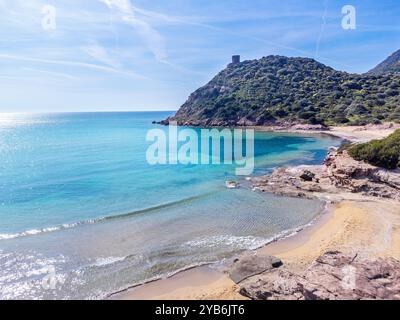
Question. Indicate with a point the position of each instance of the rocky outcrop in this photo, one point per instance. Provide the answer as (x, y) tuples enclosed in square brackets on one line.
[(286, 126), (333, 276), (339, 173), (302, 127)]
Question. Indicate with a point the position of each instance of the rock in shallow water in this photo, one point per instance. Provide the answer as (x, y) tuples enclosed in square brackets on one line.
[(333, 276)]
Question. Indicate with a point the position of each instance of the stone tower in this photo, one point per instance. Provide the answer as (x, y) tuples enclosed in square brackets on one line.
[(235, 59)]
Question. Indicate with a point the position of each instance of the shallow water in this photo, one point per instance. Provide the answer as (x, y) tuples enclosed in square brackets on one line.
[(82, 214)]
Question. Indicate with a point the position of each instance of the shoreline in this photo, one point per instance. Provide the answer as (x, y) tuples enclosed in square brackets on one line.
[(350, 226), (216, 271), (297, 250)]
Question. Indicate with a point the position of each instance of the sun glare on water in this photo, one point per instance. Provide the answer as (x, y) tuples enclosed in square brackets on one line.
[(11, 120)]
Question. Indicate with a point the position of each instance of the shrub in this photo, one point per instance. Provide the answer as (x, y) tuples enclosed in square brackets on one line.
[(382, 153)]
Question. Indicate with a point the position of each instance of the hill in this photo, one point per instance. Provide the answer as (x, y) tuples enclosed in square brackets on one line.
[(281, 90), (391, 64)]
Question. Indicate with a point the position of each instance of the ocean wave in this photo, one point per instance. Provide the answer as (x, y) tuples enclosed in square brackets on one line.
[(244, 242), (33, 232), (102, 262), (249, 242)]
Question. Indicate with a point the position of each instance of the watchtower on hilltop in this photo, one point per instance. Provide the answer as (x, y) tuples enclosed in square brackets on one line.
[(235, 59)]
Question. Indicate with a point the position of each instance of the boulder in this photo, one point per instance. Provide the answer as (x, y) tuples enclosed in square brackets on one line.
[(251, 265), (307, 175), (333, 276)]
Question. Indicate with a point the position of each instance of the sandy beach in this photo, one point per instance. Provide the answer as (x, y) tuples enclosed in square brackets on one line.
[(356, 134), (368, 226)]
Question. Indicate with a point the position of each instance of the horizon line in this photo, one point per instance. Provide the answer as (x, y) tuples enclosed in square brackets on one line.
[(90, 111)]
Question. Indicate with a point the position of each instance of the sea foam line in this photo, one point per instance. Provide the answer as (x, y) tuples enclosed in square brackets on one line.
[(33, 232)]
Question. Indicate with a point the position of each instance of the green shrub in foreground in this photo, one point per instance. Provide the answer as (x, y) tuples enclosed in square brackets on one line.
[(382, 153)]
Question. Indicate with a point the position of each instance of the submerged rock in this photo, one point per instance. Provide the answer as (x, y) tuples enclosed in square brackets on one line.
[(231, 184)]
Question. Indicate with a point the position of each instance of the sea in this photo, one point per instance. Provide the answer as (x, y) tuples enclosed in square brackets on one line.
[(83, 214)]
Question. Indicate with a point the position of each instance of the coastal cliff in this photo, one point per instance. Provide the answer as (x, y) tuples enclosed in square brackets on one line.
[(278, 90)]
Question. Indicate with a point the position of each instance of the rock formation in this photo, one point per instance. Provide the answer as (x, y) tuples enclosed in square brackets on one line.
[(333, 276), (340, 173)]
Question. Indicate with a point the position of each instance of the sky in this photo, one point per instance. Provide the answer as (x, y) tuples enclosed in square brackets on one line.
[(135, 55)]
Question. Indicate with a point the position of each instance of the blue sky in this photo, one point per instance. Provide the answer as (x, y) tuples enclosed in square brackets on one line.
[(107, 55)]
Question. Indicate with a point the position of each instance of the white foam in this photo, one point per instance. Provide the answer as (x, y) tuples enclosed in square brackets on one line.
[(33, 232), (101, 262), (246, 242)]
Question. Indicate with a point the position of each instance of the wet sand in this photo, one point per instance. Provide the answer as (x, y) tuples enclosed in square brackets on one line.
[(200, 283)]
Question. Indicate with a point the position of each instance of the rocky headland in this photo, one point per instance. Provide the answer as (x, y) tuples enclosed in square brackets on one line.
[(288, 91), (338, 178)]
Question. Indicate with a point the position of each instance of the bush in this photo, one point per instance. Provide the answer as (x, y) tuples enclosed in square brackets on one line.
[(382, 153)]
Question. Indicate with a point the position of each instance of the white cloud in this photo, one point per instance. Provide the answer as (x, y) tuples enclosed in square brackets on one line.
[(73, 64), (52, 73), (154, 41), (121, 5), (100, 54)]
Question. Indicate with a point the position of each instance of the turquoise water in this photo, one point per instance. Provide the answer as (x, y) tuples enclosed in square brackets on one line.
[(78, 197)]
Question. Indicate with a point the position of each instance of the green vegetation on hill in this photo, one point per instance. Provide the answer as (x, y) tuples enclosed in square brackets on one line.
[(281, 90), (391, 64), (382, 153)]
